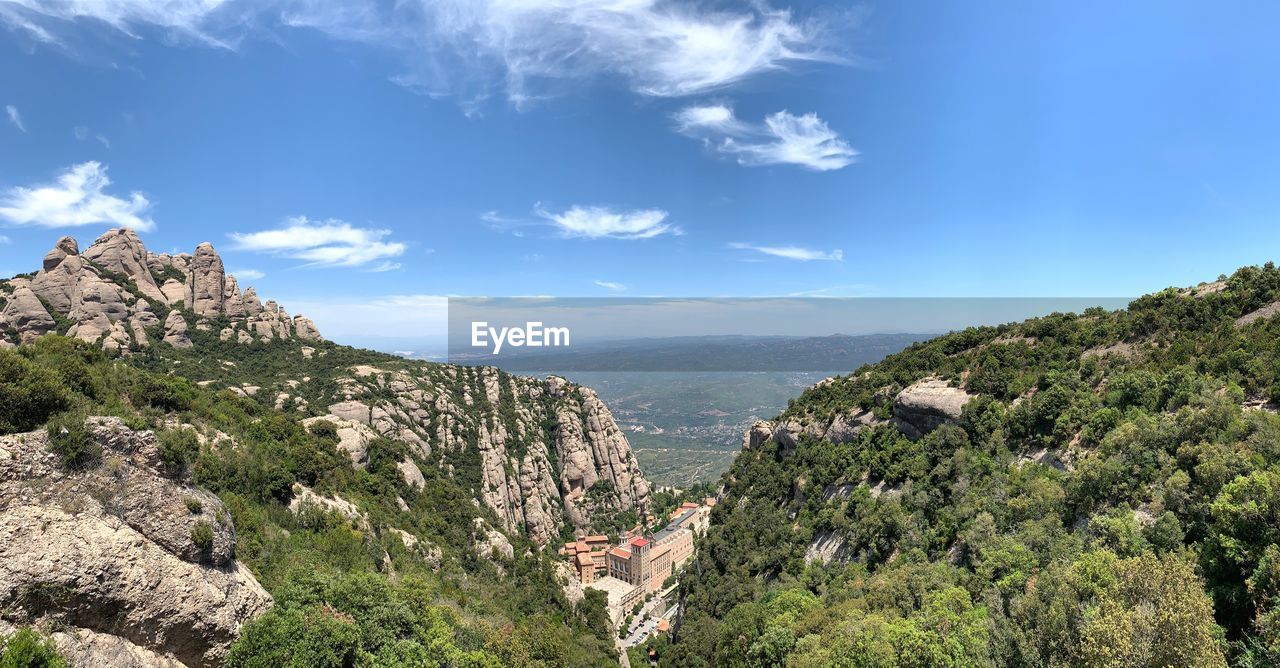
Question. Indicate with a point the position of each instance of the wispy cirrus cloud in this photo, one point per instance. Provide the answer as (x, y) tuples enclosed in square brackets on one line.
[(783, 138), (793, 252), (476, 49), (213, 22), (77, 197), (15, 117), (600, 222), (611, 286), (325, 243)]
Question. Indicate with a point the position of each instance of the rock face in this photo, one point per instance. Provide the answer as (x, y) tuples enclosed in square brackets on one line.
[(206, 282), (927, 405), (540, 453), (107, 554), (116, 290), (175, 331)]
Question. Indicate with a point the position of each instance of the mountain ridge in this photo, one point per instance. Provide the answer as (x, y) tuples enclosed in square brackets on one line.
[(1093, 489)]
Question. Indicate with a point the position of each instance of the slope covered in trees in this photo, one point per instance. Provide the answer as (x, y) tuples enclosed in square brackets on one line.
[(381, 572), (1109, 496)]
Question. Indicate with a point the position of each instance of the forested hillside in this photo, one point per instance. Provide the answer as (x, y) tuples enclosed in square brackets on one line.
[(365, 566), (1108, 495)]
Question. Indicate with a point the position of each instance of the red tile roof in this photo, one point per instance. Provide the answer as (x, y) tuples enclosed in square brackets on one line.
[(639, 541), (584, 559), (621, 552)]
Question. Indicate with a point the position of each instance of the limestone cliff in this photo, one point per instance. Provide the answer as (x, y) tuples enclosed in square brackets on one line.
[(540, 453), (107, 555)]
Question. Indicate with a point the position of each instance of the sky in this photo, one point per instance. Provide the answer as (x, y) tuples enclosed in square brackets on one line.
[(359, 164)]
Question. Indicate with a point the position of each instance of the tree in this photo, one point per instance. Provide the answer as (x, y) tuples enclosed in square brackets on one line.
[(1156, 614), (29, 393)]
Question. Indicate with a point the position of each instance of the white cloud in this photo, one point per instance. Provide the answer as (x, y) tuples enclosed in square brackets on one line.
[(82, 133), (598, 222), (102, 139), (783, 138), (246, 274), (610, 285), (4, 239), (15, 117), (476, 48), (77, 198), (793, 252), (658, 47), (198, 19), (326, 243)]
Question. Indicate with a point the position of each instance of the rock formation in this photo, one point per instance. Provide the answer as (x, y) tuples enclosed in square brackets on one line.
[(115, 293), (927, 405), (107, 554), (556, 456)]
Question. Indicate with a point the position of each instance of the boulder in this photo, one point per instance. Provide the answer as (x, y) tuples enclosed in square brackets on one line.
[(412, 474), (353, 437), (306, 330), (24, 312), (927, 405), (757, 435), (175, 330)]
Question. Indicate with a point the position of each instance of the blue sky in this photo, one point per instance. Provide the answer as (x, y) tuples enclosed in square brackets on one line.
[(358, 163)]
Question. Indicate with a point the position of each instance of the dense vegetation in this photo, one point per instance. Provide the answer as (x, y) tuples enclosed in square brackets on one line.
[(1111, 497), (348, 592)]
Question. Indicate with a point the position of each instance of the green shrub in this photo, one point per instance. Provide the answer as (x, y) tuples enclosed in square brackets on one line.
[(166, 394), (28, 649), (194, 505), (178, 447), (324, 430), (69, 438), (202, 536), (29, 393)]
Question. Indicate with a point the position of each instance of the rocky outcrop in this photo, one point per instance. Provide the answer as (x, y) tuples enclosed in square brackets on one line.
[(111, 291), (306, 330), (121, 252), (549, 452), (353, 437), (109, 554), (175, 330), (927, 405), (756, 436), (24, 313), (206, 282), (1268, 311)]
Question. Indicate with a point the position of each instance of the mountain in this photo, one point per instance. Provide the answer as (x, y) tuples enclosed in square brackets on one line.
[(159, 425), (1094, 489), (120, 296), (685, 354)]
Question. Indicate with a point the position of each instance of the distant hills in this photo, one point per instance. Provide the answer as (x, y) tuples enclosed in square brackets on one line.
[(837, 352)]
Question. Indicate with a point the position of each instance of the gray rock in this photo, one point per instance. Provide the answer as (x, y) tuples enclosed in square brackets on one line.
[(114, 541), (206, 282), (175, 330), (927, 405)]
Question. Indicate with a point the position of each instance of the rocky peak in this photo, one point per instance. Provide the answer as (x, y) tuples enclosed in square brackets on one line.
[(65, 246), (116, 293)]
